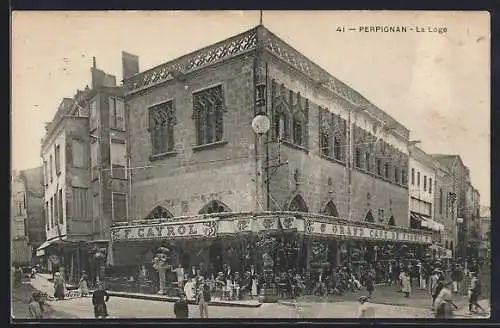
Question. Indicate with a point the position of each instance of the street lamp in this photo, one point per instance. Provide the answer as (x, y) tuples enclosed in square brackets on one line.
[(261, 124)]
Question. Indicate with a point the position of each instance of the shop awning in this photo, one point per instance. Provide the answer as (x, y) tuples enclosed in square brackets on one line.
[(40, 251), (235, 224), (415, 216), (431, 224), (427, 222)]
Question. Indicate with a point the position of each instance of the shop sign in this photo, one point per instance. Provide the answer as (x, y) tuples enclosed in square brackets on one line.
[(353, 231), (166, 231)]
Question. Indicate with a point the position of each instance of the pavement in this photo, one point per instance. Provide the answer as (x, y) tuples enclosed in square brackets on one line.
[(122, 307)]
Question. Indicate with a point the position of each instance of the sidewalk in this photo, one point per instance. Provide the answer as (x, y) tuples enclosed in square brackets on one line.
[(44, 284)]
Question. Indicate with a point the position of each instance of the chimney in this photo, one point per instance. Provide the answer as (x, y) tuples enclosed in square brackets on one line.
[(94, 64), (130, 64)]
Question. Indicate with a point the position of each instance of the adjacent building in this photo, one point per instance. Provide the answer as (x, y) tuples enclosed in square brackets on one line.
[(331, 172), (20, 248), (86, 184), (34, 191), (422, 189), (463, 194), (485, 217), (474, 227), (445, 207)]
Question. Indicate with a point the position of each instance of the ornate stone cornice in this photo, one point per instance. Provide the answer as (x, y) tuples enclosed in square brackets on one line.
[(255, 40)]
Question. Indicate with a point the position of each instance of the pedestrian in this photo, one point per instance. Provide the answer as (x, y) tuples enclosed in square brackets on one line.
[(203, 298), (432, 286), (180, 276), (99, 299), (181, 308), (444, 302), (369, 284), (190, 289), (35, 309), (83, 284), (366, 310), (474, 293), (143, 276), (254, 275), (405, 283), (437, 287), (59, 286), (455, 277), (421, 275)]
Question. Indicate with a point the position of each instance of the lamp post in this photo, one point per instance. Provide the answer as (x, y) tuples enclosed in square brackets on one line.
[(261, 125), (460, 221)]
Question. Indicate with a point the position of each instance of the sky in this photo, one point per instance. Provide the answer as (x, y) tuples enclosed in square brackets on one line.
[(436, 84)]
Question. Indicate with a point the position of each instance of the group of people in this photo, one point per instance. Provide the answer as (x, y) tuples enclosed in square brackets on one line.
[(99, 297), (226, 284)]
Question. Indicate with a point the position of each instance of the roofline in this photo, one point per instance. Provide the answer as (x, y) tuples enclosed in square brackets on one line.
[(258, 37), (187, 55), (63, 118)]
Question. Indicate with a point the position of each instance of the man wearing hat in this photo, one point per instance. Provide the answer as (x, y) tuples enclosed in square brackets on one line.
[(366, 310), (203, 298), (474, 293), (99, 299), (456, 277), (181, 308), (83, 284)]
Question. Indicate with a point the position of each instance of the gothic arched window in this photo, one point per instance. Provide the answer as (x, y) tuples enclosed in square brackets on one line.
[(299, 128), (369, 217), (162, 119), (391, 221), (214, 206), (331, 210), (298, 205), (208, 107), (159, 212), (281, 122)]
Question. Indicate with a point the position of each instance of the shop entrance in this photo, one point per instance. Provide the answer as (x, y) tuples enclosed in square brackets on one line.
[(215, 255)]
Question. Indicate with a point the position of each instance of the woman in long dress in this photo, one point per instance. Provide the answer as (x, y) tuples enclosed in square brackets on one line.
[(84, 289), (189, 289), (59, 286), (405, 282)]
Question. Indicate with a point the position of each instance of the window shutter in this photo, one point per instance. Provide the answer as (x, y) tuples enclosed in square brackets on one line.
[(120, 114)]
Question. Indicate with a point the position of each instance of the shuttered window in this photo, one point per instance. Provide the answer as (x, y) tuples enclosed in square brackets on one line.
[(60, 211), (117, 113), (119, 207), (80, 203), (118, 159), (79, 153)]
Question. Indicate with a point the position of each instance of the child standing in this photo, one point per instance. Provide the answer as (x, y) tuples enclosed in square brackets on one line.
[(181, 308)]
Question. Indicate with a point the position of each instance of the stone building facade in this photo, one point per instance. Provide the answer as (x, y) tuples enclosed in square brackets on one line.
[(34, 189), (84, 157), (463, 196), (19, 241), (309, 111), (193, 151), (445, 207)]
